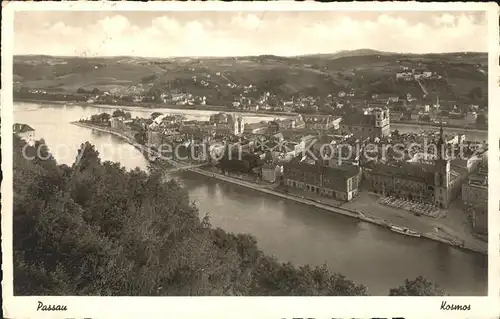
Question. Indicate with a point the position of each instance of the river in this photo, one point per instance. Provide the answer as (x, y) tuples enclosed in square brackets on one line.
[(363, 252)]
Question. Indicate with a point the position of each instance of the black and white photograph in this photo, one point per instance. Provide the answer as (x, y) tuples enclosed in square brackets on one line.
[(248, 152)]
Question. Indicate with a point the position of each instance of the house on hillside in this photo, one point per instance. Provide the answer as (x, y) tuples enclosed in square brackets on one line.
[(25, 132)]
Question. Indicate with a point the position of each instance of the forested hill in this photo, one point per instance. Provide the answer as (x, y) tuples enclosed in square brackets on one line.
[(97, 229)]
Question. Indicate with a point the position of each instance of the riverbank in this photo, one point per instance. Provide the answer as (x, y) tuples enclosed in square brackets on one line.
[(360, 215), (395, 124), (345, 211), (150, 107)]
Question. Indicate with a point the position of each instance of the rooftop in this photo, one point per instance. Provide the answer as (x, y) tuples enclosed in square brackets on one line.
[(418, 172), (478, 180), (22, 128), (253, 126), (323, 119), (359, 119)]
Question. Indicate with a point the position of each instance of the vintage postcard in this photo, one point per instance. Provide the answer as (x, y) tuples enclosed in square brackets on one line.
[(250, 160)]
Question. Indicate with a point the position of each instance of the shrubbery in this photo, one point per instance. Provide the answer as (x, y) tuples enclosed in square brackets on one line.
[(97, 229)]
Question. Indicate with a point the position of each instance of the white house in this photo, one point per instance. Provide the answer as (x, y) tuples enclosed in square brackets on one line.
[(25, 132)]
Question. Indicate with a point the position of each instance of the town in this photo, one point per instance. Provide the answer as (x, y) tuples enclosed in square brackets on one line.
[(346, 162), (414, 92), (331, 145)]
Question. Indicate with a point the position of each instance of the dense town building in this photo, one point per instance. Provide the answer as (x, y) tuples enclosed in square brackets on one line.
[(374, 122), (256, 128), (228, 123), (475, 191), (321, 122), (340, 183), (435, 182), (271, 172), (292, 123), (475, 198)]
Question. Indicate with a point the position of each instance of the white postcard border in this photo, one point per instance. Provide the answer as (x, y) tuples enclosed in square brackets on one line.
[(251, 307)]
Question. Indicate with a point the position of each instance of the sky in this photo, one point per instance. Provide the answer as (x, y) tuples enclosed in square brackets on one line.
[(205, 33)]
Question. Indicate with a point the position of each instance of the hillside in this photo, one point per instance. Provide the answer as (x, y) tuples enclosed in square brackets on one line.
[(320, 74)]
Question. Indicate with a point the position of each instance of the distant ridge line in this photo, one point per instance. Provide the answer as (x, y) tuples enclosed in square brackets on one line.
[(333, 55)]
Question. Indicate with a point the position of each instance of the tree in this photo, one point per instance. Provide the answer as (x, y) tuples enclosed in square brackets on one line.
[(86, 157), (96, 91), (417, 287), (481, 119), (425, 118), (118, 113), (96, 229), (80, 90), (104, 117), (476, 93)]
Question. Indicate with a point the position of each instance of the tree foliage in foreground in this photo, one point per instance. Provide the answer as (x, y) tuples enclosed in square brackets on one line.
[(96, 229), (417, 287)]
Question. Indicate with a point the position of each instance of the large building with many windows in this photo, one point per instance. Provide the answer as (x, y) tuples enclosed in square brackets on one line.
[(321, 122), (374, 122), (475, 198), (475, 190), (435, 182), (340, 183)]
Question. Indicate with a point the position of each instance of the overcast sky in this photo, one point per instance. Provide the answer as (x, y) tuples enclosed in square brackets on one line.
[(160, 34)]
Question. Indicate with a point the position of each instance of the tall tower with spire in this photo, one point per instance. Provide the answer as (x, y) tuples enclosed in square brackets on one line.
[(442, 172), (441, 144)]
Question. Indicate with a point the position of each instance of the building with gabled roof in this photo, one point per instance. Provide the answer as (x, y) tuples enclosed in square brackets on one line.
[(25, 132)]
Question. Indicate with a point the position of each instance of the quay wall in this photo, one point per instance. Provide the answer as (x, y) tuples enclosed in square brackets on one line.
[(267, 190)]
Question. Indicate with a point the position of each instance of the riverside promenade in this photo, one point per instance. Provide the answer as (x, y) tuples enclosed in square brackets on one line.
[(345, 211)]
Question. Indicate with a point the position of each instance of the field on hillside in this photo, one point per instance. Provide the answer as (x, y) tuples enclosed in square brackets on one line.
[(313, 74)]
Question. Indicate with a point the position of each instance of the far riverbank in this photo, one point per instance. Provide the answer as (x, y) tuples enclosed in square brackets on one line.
[(150, 107), (269, 190), (396, 124)]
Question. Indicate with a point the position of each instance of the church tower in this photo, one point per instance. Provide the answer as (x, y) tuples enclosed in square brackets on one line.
[(442, 173)]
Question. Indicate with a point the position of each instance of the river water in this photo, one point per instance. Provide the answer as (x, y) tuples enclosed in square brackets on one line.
[(365, 253)]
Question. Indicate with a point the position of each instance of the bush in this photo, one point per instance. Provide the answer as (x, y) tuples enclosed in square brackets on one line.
[(96, 229)]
